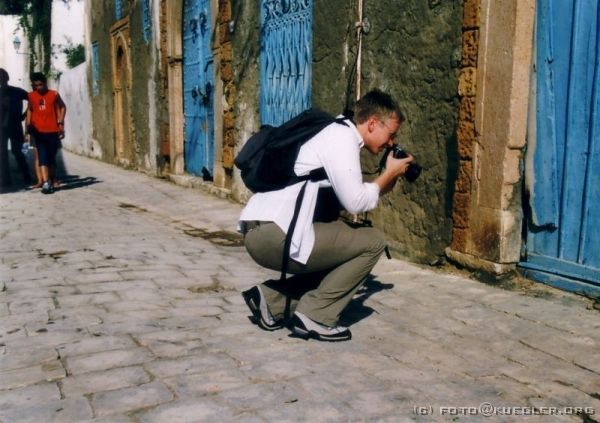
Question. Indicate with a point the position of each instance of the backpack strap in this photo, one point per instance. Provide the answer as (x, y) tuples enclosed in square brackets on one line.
[(287, 246)]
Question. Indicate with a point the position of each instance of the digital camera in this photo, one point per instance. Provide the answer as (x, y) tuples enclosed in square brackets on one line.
[(414, 169)]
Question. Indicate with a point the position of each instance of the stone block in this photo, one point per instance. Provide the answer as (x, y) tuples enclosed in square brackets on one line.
[(466, 109), (226, 71), (66, 410), (228, 158), (228, 120), (95, 344), (470, 48), (465, 176), (226, 51), (224, 35), (459, 239), (467, 82), (202, 409), (105, 380), (192, 364), (512, 167), (131, 399), (28, 396), (461, 209), (207, 383), (107, 360), (26, 357), (224, 10), (31, 375), (471, 13), (465, 135)]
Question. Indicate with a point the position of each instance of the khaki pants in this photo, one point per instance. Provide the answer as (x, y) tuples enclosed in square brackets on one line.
[(340, 261)]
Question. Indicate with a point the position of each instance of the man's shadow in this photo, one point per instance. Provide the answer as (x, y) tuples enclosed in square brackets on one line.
[(298, 285), (357, 310)]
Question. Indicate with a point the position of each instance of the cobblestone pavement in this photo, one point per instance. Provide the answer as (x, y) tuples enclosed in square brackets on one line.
[(119, 301)]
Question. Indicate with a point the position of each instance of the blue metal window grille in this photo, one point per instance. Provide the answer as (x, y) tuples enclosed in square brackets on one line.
[(285, 59), (95, 69), (118, 9), (146, 20)]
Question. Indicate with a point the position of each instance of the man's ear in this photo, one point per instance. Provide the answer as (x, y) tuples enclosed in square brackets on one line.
[(371, 122)]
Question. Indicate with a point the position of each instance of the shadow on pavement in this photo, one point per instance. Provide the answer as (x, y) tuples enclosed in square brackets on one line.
[(357, 310), (68, 182)]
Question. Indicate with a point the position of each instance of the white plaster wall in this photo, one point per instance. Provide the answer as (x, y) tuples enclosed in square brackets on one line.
[(73, 89), (15, 64), (68, 23)]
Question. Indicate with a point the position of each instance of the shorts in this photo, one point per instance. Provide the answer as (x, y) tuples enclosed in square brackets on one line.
[(47, 144)]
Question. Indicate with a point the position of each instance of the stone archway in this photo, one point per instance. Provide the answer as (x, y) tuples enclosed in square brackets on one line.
[(121, 71)]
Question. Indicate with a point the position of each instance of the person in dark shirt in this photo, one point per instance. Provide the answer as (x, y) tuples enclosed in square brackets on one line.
[(11, 128)]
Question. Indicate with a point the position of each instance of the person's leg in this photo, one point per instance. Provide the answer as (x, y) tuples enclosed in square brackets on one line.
[(344, 254), (4, 169), (38, 169), (16, 144), (352, 252), (43, 149), (53, 143)]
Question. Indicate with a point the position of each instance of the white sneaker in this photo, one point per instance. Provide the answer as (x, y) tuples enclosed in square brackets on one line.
[(305, 327)]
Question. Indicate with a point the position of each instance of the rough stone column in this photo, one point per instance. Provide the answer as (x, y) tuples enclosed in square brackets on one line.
[(498, 37), (226, 71)]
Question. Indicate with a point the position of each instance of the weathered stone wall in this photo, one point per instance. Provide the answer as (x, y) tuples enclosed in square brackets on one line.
[(244, 60), (413, 52), (146, 112)]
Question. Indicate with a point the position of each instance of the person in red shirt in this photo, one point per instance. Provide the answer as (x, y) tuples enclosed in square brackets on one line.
[(45, 122)]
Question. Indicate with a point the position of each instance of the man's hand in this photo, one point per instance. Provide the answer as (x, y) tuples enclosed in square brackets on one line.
[(394, 168), (398, 167)]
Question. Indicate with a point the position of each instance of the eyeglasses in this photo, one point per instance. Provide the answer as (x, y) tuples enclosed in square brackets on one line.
[(392, 133)]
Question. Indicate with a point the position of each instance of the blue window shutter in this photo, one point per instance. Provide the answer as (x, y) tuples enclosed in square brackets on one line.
[(95, 69)]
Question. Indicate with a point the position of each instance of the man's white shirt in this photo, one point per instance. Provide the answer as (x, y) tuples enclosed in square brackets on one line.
[(337, 149)]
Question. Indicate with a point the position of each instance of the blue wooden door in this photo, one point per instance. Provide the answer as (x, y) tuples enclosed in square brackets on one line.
[(285, 59), (198, 88), (563, 239)]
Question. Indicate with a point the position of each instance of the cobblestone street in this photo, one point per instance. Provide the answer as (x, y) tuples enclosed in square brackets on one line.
[(120, 301)]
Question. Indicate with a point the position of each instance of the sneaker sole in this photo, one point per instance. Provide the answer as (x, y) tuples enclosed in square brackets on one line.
[(257, 316), (307, 334)]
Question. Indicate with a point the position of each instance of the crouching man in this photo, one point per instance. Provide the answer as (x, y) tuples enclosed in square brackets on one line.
[(333, 257)]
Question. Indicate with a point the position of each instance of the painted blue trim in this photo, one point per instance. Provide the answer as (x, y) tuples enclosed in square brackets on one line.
[(95, 69), (146, 20), (559, 282), (563, 268), (118, 9)]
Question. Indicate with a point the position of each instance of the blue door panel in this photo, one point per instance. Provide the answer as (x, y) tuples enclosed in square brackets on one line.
[(583, 51), (590, 251), (564, 224), (285, 59), (197, 88)]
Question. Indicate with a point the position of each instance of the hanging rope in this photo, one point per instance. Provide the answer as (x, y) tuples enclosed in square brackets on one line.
[(359, 32)]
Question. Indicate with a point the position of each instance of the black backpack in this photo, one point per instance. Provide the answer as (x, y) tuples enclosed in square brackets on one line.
[(268, 157)]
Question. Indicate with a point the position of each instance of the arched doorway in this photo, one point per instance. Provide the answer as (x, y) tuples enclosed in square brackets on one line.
[(121, 67)]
